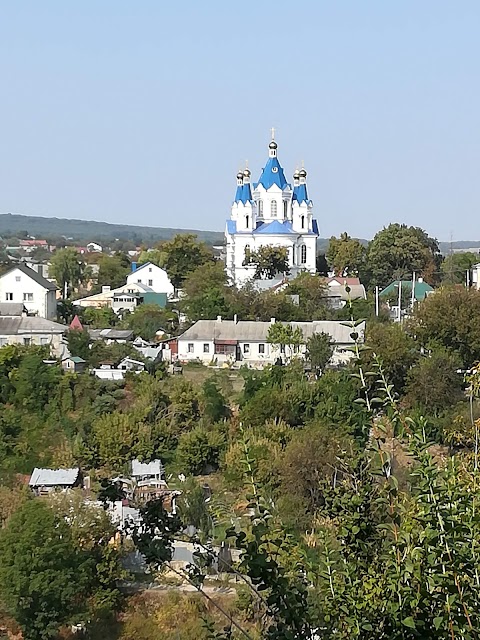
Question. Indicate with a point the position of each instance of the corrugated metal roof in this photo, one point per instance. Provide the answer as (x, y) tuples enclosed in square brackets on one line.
[(11, 308), (53, 477), (153, 468), (14, 325), (251, 331)]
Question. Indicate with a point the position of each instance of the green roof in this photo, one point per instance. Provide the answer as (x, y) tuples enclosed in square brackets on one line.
[(77, 359), (421, 289), (155, 298)]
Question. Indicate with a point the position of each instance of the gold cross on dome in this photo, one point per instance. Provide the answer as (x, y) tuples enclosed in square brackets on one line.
[(273, 133)]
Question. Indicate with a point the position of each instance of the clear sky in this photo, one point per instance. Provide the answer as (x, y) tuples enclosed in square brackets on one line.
[(142, 111)]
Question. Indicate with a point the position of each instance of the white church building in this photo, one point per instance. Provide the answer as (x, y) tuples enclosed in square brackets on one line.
[(271, 212)]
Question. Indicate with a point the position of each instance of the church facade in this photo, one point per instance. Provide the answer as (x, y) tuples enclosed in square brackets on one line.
[(271, 212)]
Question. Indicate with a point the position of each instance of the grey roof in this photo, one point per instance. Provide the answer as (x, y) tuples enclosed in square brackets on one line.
[(251, 331), (357, 291), (110, 334), (43, 282), (147, 469), (13, 325), (11, 308), (53, 477)]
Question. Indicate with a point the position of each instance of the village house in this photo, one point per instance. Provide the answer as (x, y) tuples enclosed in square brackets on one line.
[(45, 481), (337, 294), (246, 342), (18, 328), (152, 276), (24, 285)]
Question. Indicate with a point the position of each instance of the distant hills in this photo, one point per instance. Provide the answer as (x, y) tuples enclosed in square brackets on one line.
[(90, 231)]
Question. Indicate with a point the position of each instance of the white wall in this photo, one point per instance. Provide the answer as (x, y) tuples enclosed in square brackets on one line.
[(55, 341), (15, 286), (152, 276)]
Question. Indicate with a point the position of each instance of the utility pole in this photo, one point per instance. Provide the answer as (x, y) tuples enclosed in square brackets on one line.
[(399, 301), (413, 290), (468, 279), (376, 301)]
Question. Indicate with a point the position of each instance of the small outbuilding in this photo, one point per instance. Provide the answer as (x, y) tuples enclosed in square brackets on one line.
[(44, 481)]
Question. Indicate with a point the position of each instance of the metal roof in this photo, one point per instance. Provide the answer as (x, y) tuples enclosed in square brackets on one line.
[(53, 477), (243, 193), (11, 308), (153, 468), (14, 325), (272, 174), (252, 331), (300, 193), (356, 292), (110, 334)]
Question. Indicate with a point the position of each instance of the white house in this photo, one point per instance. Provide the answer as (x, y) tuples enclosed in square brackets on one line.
[(152, 276), (94, 247), (24, 285), (26, 330), (245, 342), (272, 213)]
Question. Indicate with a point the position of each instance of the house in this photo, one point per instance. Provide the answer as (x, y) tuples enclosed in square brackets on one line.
[(129, 364), (44, 481), (110, 336), (74, 364), (124, 298), (152, 276), (30, 245), (421, 291), (24, 285), (337, 294), (94, 247), (245, 342), (25, 330)]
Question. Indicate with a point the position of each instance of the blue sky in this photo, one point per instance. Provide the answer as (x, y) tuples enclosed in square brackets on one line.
[(142, 112)]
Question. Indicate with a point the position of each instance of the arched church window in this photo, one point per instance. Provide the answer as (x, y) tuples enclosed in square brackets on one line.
[(247, 221), (303, 254), (260, 207), (303, 222), (273, 208), (247, 252), (285, 209)]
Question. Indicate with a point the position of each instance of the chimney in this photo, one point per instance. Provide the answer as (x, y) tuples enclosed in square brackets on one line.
[(105, 288), (420, 279), (134, 266), (272, 320), (219, 318)]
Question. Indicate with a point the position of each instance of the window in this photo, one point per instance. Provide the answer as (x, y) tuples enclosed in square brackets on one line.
[(246, 348), (261, 348), (27, 342), (150, 269), (247, 221), (9, 297), (190, 347), (206, 347), (150, 283), (17, 278), (28, 297), (247, 251), (282, 348), (139, 281), (260, 207), (225, 349), (303, 222), (44, 341), (273, 207), (285, 209), (303, 254)]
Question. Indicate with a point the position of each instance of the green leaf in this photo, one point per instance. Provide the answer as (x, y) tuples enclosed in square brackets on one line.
[(409, 622)]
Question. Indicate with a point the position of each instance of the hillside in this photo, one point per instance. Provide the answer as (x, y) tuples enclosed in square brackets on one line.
[(89, 230)]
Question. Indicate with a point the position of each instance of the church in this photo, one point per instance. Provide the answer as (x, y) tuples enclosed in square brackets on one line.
[(271, 212)]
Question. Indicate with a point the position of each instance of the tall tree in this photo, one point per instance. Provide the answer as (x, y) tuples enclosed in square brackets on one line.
[(269, 261), (206, 292), (113, 270), (287, 338), (456, 267), (346, 256), (319, 350), (397, 250), (183, 254), (67, 269), (147, 319)]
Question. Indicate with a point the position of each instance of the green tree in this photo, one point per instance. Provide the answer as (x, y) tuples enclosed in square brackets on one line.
[(269, 261), (434, 384), (67, 269), (285, 337), (214, 405), (456, 266), (113, 270), (449, 319), (147, 319), (319, 350), (312, 298), (183, 254), (100, 318), (199, 450), (346, 256), (155, 256), (206, 292), (397, 250), (43, 576), (78, 342)]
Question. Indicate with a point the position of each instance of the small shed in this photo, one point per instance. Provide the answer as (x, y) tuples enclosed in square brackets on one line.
[(44, 481), (74, 364)]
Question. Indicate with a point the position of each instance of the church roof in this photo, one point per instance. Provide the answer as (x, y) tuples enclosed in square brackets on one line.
[(275, 227), (272, 174), (300, 193), (243, 193)]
